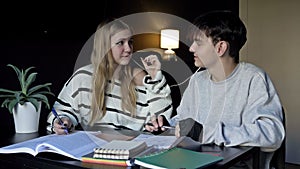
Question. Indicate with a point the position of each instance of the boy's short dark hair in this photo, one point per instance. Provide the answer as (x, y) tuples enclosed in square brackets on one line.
[(222, 26)]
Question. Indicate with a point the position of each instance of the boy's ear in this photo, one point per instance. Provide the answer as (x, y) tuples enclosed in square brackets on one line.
[(221, 47)]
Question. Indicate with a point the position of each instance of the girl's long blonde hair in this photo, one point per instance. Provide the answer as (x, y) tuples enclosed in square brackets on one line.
[(104, 69)]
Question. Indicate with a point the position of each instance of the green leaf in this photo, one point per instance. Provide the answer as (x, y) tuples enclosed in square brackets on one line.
[(31, 78), (46, 93), (35, 103), (27, 70), (5, 103), (42, 98), (24, 84), (7, 91), (38, 96), (12, 105), (21, 97), (18, 72), (8, 95), (38, 87)]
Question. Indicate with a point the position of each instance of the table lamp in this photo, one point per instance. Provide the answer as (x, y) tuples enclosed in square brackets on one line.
[(169, 39)]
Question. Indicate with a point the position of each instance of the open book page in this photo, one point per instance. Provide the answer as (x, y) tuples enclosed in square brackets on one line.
[(28, 147), (74, 145), (159, 141)]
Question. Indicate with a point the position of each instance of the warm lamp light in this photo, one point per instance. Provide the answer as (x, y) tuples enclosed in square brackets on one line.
[(169, 39)]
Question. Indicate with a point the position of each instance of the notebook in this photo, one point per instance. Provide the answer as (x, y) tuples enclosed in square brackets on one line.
[(120, 149), (89, 158), (177, 158)]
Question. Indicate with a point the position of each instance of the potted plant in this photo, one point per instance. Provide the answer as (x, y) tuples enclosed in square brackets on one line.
[(25, 104)]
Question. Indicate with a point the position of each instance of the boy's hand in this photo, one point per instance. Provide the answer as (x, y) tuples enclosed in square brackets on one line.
[(156, 124)]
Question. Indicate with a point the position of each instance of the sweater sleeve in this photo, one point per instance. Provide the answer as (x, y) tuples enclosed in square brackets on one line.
[(63, 105), (261, 120), (159, 95), (68, 101), (187, 107)]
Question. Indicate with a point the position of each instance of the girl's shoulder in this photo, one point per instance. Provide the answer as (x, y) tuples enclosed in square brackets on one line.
[(88, 68), (81, 75)]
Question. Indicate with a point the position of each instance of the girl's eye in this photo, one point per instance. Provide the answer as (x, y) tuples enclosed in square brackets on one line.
[(130, 42), (120, 43)]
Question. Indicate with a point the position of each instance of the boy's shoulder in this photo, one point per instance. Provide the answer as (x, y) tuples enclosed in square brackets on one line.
[(250, 67), (201, 75)]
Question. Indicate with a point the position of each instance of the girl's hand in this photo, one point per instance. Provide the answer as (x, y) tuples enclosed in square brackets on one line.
[(152, 65), (64, 128)]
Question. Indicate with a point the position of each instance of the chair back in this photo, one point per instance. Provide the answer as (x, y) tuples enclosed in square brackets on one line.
[(278, 159)]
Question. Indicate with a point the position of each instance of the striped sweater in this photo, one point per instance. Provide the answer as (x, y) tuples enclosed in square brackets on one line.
[(74, 101)]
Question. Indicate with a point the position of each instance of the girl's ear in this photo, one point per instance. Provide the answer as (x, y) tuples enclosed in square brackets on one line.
[(221, 47)]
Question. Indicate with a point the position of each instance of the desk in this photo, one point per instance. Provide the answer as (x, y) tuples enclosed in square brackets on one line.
[(231, 155)]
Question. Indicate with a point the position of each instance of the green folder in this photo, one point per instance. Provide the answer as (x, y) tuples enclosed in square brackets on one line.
[(177, 158)]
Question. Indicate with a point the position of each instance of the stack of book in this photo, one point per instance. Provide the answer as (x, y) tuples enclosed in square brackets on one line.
[(116, 152)]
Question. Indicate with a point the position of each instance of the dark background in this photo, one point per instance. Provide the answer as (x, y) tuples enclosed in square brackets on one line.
[(49, 36)]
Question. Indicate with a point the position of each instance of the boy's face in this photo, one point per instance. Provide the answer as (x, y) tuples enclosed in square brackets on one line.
[(204, 51)]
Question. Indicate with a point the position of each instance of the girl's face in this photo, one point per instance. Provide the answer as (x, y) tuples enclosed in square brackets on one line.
[(204, 51), (121, 47)]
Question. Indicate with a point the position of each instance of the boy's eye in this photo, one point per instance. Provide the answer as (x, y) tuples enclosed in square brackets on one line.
[(198, 42)]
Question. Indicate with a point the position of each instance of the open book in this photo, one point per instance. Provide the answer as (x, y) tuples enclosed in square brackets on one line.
[(74, 145)]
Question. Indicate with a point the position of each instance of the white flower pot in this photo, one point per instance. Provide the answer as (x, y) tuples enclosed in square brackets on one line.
[(26, 118)]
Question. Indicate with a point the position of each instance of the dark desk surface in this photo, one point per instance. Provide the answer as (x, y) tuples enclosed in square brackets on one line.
[(231, 155)]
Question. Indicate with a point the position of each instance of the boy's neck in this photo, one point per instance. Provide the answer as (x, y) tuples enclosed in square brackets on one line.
[(223, 69)]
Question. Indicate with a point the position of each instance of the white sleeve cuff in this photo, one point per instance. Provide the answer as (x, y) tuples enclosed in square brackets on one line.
[(73, 120), (148, 78)]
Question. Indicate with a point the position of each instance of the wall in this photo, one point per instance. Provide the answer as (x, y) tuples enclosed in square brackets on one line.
[(273, 43)]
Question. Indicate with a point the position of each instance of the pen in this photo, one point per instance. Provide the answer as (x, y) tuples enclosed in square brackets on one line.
[(169, 127), (59, 119)]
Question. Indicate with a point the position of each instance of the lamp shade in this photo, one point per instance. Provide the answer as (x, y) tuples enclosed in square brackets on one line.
[(169, 38)]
